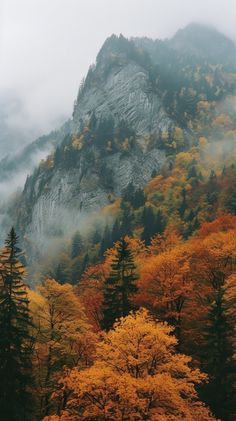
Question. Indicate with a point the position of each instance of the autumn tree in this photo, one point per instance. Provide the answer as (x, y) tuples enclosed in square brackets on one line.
[(64, 338), (165, 285), (120, 285), (16, 341), (137, 376), (214, 259)]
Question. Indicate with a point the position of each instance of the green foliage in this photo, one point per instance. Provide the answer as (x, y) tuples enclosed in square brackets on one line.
[(16, 342), (119, 286)]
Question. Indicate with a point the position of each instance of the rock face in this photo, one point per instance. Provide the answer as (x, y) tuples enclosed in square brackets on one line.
[(117, 88), (132, 85), (52, 204), (126, 94)]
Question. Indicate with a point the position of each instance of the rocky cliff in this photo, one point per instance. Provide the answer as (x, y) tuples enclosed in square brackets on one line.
[(123, 128)]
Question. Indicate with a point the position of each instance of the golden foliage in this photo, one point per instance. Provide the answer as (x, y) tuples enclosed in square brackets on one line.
[(137, 375)]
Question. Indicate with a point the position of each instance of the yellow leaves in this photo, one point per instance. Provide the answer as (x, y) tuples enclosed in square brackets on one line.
[(136, 376), (178, 134), (222, 120), (203, 106), (64, 337), (112, 209), (78, 142), (183, 159), (153, 184), (47, 163), (126, 145), (165, 279), (202, 142)]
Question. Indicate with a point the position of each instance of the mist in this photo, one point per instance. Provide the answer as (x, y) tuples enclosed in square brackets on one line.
[(47, 47)]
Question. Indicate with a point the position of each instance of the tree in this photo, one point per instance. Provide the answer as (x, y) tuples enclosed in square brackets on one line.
[(126, 221), (218, 359), (64, 338), (153, 224), (120, 286), (165, 286), (16, 342), (139, 199), (106, 241), (214, 258), (220, 349), (183, 206), (137, 376), (76, 245)]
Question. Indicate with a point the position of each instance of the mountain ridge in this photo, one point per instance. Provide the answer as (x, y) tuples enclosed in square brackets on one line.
[(132, 112)]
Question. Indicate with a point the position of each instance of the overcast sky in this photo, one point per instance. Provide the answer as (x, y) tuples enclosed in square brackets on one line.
[(46, 46)]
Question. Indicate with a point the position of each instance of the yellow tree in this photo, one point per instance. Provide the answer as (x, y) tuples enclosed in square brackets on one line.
[(137, 376), (64, 337), (165, 285)]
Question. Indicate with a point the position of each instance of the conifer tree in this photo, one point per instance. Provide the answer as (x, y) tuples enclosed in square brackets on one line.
[(219, 361), (16, 343), (119, 286), (153, 224), (76, 245)]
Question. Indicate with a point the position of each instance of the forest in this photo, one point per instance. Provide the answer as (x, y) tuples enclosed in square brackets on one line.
[(132, 317)]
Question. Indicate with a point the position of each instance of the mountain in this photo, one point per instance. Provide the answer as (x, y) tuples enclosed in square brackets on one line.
[(137, 108), (206, 42)]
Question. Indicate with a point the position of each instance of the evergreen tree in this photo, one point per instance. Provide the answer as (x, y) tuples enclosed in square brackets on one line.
[(218, 359), (230, 203), (85, 263), (128, 193), (139, 199), (212, 188), (106, 241), (116, 231), (148, 223), (96, 238), (183, 205), (119, 286), (153, 224), (126, 222), (160, 222), (16, 343), (76, 245)]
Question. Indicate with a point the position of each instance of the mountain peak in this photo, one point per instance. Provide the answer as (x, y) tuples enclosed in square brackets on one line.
[(204, 41)]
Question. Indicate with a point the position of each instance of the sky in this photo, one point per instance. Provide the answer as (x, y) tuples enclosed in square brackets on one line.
[(46, 47)]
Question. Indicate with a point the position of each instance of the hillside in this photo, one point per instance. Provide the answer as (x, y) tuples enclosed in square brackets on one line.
[(123, 306), (141, 104)]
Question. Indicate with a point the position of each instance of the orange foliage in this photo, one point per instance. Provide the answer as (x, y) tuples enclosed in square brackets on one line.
[(137, 375), (224, 222)]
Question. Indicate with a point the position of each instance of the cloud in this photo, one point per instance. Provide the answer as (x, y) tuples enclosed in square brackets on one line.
[(46, 46)]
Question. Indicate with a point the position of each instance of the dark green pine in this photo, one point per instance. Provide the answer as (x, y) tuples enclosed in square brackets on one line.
[(120, 286), (16, 342)]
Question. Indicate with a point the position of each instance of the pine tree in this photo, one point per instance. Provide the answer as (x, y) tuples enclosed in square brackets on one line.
[(126, 222), (119, 286), (16, 343), (153, 224), (106, 241), (76, 245), (116, 231), (218, 359), (139, 199), (183, 206)]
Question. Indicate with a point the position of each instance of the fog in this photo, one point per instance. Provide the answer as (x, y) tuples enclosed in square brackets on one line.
[(46, 48)]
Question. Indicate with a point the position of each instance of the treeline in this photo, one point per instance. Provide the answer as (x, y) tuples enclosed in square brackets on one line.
[(114, 345)]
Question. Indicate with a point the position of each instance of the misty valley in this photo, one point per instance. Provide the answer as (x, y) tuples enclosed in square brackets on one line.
[(118, 241)]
